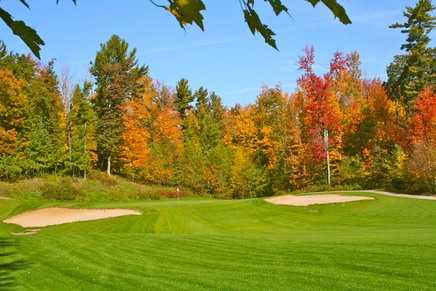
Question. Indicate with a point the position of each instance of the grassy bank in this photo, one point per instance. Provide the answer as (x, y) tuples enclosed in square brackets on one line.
[(98, 187)]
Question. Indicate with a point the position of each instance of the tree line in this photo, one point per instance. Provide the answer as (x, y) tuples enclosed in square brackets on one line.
[(380, 134)]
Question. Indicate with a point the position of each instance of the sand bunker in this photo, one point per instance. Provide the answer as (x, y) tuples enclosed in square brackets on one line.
[(53, 216), (314, 199)]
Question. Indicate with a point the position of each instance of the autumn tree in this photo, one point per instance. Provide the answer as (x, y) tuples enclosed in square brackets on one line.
[(152, 134), (135, 137), (421, 165), (247, 179), (13, 102), (33, 119), (321, 110), (17, 72), (295, 166), (116, 72), (240, 128), (379, 136), (166, 139), (421, 168), (270, 121), (269, 118), (424, 119)]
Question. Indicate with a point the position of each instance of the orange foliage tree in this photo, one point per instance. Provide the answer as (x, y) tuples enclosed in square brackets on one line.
[(12, 111), (150, 124)]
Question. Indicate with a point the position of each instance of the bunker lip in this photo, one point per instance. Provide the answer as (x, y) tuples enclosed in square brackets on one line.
[(56, 215), (314, 199), (411, 196)]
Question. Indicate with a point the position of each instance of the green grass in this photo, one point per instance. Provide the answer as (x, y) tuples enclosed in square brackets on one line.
[(199, 244)]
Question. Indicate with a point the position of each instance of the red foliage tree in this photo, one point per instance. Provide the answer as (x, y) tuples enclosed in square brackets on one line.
[(424, 120), (321, 107)]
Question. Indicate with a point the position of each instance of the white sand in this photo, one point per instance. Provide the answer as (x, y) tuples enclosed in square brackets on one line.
[(53, 216), (314, 199)]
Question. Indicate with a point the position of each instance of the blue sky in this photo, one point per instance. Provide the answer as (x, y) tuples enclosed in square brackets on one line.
[(225, 58)]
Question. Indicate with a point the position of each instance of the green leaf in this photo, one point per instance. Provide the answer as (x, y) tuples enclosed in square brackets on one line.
[(337, 9), (313, 2), (190, 12), (25, 3), (187, 12), (256, 25), (26, 33), (277, 6), (74, 1)]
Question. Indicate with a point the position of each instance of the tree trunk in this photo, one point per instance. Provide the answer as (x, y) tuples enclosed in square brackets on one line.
[(326, 143), (85, 153), (109, 166), (70, 149)]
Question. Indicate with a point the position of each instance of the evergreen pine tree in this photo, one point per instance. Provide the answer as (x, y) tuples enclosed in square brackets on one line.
[(81, 131), (201, 97), (184, 98), (45, 124), (416, 69), (117, 76)]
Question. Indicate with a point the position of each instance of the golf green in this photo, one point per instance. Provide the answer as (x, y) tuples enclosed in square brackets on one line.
[(384, 244)]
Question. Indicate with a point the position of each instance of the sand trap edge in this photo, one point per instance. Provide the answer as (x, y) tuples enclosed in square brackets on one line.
[(56, 216), (308, 200)]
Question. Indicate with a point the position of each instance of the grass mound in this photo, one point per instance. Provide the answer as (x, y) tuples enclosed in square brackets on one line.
[(98, 187)]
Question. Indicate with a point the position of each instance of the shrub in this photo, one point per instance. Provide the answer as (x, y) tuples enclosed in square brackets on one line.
[(421, 168), (103, 178), (249, 181), (324, 188), (171, 193), (23, 189), (10, 168), (350, 170), (147, 195), (64, 189), (158, 192)]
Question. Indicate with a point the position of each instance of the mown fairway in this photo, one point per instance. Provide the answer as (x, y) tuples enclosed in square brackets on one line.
[(385, 244)]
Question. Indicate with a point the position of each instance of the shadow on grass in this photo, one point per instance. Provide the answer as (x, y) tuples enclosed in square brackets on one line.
[(10, 263)]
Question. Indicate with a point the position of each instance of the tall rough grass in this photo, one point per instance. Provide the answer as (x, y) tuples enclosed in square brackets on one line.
[(98, 187)]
